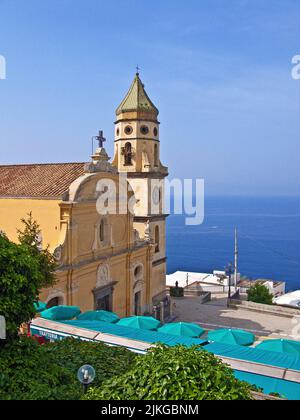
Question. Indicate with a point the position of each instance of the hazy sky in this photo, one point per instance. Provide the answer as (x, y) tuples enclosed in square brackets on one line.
[(218, 70)]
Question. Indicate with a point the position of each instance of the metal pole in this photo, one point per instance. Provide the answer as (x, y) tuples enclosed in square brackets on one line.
[(236, 253), (229, 273)]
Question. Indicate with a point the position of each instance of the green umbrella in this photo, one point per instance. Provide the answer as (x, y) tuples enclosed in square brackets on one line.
[(105, 316), (61, 313), (229, 336), (141, 322), (183, 329), (39, 306), (281, 346)]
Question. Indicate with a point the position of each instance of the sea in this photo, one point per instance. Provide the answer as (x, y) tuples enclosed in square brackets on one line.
[(268, 238)]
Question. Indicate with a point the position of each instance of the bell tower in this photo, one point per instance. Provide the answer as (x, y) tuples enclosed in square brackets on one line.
[(137, 153)]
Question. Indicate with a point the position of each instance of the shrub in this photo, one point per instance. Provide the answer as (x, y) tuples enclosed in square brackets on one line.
[(174, 373), (29, 371), (260, 294), (177, 292)]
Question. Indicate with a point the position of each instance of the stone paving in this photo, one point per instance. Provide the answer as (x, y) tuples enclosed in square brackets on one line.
[(215, 314)]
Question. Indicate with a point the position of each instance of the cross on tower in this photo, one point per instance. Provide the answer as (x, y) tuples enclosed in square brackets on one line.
[(100, 139), (137, 70)]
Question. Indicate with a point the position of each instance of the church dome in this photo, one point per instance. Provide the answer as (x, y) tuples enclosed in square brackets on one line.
[(137, 100)]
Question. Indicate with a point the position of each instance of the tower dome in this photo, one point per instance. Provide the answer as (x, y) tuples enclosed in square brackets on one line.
[(137, 102)]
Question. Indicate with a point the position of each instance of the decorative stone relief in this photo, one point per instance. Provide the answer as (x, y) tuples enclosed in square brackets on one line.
[(58, 253), (138, 286), (100, 162), (147, 232), (103, 275)]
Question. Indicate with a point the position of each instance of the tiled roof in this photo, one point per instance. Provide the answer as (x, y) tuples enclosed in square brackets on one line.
[(49, 180), (136, 99)]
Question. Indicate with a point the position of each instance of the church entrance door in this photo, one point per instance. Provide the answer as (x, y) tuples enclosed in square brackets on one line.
[(104, 303)]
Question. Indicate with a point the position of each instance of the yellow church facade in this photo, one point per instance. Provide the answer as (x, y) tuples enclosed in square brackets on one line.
[(114, 260)]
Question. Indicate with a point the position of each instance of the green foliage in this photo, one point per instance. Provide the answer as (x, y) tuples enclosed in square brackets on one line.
[(19, 284), (276, 395), (30, 237), (25, 269), (176, 291), (260, 294), (174, 373), (31, 371)]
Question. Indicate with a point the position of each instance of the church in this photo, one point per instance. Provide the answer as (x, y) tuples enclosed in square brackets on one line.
[(114, 260)]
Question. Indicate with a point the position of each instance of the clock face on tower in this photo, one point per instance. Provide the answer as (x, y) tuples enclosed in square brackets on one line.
[(156, 195)]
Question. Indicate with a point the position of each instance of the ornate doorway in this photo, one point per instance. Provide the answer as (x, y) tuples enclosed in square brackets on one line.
[(103, 299), (103, 293)]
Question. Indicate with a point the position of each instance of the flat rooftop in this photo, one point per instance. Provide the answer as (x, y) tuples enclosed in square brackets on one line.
[(181, 278)]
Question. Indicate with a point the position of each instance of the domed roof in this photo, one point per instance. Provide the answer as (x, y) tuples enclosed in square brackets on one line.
[(137, 99)]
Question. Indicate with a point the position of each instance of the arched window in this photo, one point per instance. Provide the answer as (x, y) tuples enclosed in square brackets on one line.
[(156, 239), (102, 230), (55, 301), (155, 155), (128, 154), (138, 272), (137, 289)]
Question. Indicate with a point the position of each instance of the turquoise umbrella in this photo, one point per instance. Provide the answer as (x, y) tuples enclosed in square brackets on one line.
[(105, 316), (141, 322), (281, 346), (39, 306), (229, 336), (61, 313), (183, 329)]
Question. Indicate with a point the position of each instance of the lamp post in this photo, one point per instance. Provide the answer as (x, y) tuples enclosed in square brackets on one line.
[(86, 374), (229, 272), (2, 328)]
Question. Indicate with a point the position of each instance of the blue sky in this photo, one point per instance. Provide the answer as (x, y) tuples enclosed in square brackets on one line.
[(219, 71)]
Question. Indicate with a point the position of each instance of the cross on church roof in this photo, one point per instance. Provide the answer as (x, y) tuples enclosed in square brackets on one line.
[(138, 69), (100, 139)]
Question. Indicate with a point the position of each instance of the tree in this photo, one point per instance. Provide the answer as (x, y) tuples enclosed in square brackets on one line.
[(260, 294), (30, 237), (174, 373), (24, 271)]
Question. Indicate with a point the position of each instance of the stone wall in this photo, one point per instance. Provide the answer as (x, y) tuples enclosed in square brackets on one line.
[(270, 309)]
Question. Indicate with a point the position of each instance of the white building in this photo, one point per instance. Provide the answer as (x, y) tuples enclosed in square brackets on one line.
[(276, 288), (217, 282), (289, 299)]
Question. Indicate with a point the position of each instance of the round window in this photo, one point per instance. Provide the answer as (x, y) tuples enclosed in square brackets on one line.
[(128, 130), (144, 130), (155, 131)]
